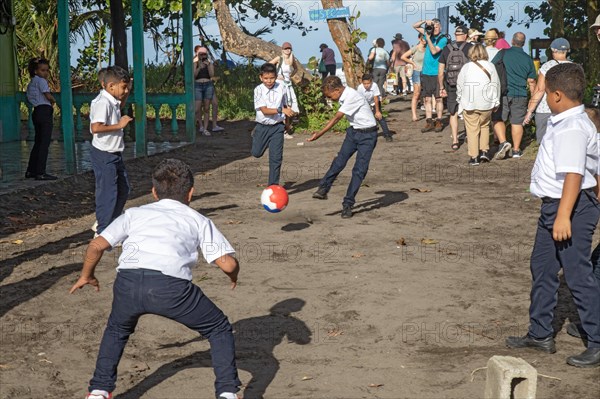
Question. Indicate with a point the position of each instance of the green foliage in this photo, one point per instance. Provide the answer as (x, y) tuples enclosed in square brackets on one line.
[(475, 13), (235, 91), (90, 60), (314, 110)]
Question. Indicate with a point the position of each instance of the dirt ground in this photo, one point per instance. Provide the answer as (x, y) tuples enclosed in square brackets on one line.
[(408, 299)]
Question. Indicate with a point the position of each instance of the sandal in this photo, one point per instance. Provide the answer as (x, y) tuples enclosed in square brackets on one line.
[(455, 146)]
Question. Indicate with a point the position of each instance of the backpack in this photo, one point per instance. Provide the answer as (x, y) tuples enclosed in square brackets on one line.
[(455, 61), (501, 69)]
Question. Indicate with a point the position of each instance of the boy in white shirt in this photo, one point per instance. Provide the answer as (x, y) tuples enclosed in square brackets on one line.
[(106, 126), (565, 177), (371, 93), (160, 245), (361, 137), (270, 103)]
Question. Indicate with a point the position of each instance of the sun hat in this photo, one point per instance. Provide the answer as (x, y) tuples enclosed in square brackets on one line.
[(474, 33), (491, 34), (398, 36), (597, 23)]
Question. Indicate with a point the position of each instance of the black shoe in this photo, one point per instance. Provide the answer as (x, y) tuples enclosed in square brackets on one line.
[(473, 162), (389, 139), (347, 212), (29, 175), (484, 156), (575, 330), (45, 176), (545, 345), (588, 358), (321, 193)]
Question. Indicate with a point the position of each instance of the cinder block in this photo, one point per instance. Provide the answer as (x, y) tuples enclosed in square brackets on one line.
[(510, 378)]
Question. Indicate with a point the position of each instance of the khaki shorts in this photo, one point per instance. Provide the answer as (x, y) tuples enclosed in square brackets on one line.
[(400, 72)]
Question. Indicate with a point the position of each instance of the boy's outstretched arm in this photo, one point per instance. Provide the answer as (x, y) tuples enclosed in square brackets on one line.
[(93, 254), (338, 116), (561, 231), (230, 267)]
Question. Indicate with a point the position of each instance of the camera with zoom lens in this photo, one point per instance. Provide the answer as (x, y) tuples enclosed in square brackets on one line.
[(429, 29)]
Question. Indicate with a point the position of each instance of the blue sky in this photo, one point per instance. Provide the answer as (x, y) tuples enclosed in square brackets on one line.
[(378, 18)]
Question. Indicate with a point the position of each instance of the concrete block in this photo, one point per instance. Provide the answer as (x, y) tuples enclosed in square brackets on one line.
[(510, 378)]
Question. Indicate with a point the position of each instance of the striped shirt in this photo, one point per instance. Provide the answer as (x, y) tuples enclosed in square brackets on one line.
[(35, 91)]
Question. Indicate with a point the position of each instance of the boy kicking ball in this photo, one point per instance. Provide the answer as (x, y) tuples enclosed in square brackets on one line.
[(160, 245), (361, 137)]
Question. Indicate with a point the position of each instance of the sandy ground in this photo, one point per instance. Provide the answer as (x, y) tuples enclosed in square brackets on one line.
[(404, 300)]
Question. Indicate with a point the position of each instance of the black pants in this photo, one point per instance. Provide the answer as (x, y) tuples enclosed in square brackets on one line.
[(43, 124), (330, 70)]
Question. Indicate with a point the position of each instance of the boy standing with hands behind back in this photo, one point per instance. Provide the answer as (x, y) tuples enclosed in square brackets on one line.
[(270, 103), (106, 126), (565, 178)]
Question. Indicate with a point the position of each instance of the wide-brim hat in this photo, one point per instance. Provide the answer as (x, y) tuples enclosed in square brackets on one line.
[(398, 36), (597, 23), (474, 33)]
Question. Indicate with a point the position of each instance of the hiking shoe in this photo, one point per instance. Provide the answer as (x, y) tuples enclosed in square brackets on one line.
[(428, 126), (483, 156), (517, 154), (321, 193), (438, 127), (228, 395), (389, 139), (502, 150), (99, 394), (346, 212), (473, 162), (217, 128)]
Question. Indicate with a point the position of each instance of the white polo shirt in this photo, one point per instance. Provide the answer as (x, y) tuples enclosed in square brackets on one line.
[(274, 97), (107, 110), (165, 236), (370, 94), (35, 91), (570, 145), (357, 110)]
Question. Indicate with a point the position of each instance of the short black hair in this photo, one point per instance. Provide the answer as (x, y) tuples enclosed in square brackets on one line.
[(331, 83), (568, 78), (102, 76), (367, 76), (173, 179), (116, 74), (33, 64), (267, 67)]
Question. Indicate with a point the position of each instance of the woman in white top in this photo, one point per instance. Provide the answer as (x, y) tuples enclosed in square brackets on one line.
[(381, 63), (415, 57), (538, 104), (286, 67), (478, 94)]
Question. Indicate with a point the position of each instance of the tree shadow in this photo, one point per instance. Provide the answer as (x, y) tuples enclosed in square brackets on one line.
[(255, 340), (20, 292), (387, 198), (51, 248)]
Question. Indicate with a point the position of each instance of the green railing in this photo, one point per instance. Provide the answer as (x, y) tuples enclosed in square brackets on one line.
[(156, 101)]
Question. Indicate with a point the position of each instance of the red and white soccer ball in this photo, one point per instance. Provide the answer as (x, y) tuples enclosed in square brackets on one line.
[(274, 198)]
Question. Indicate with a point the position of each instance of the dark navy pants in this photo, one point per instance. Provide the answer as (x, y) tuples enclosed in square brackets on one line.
[(42, 123), (573, 256), (143, 291), (384, 126), (112, 186), (269, 136), (363, 144)]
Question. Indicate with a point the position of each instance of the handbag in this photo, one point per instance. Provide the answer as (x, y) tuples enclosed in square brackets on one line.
[(322, 67)]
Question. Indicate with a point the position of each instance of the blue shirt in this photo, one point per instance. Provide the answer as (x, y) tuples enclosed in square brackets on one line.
[(431, 62)]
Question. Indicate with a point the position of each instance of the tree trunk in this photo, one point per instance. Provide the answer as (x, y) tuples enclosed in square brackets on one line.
[(593, 65), (237, 42), (557, 25), (117, 20), (340, 33)]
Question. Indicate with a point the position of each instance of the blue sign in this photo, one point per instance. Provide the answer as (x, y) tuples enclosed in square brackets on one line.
[(329, 13)]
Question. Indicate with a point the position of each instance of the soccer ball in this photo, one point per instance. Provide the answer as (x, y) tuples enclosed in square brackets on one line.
[(274, 198)]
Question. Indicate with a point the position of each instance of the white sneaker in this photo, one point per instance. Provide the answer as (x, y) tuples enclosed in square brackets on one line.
[(206, 133), (228, 395), (217, 128), (99, 394), (287, 136)]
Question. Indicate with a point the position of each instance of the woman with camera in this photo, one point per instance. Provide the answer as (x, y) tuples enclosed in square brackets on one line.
[(204, 88)]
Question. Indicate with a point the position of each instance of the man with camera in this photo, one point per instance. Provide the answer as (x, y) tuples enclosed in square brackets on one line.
[(436, 41)]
